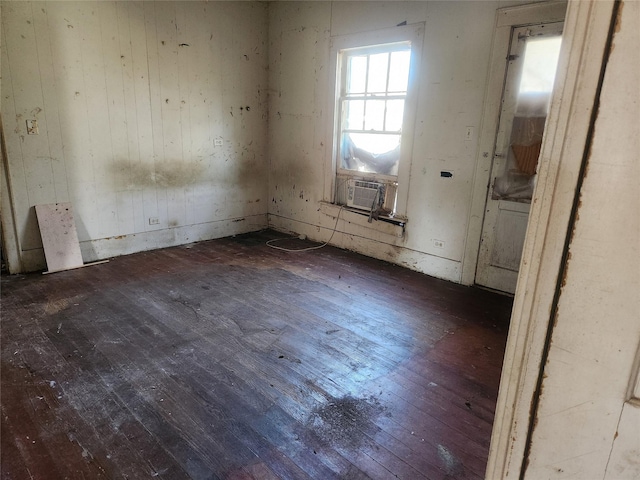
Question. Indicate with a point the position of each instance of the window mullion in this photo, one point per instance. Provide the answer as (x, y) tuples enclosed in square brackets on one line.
[(400, 96), (386, 92), (378, 132), (366, 93), (343, 119)]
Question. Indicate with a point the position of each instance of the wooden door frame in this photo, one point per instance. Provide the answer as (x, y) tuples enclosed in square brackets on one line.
[(564, 152), (10, 239)]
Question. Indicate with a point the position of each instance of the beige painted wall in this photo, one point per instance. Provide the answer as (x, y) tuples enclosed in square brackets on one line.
[(130, 98), (455, 59)]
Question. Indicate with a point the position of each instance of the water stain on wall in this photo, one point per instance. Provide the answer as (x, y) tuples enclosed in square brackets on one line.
[(292, 172), (249, 172), (163, 174)]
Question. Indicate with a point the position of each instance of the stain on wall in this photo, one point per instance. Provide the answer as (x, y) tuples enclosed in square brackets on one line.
[(166, 174)]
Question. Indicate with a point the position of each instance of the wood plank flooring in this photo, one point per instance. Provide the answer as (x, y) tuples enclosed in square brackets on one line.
[(228, 359)]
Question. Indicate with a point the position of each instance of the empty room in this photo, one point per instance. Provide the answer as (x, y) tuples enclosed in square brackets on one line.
[(315, 240)]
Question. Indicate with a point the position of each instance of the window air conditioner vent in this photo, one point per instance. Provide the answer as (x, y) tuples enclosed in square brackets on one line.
[(364, 195)]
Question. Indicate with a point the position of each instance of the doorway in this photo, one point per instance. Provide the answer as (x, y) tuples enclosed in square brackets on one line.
[(531, 66)]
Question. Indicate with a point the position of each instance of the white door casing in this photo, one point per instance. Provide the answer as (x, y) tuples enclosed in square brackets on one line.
[(587, 421), (587, 26)]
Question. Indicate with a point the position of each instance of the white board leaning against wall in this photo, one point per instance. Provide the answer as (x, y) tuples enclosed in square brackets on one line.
[(59, 237)]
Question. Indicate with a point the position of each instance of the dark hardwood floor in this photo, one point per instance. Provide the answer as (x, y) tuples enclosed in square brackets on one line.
[(228, 359)]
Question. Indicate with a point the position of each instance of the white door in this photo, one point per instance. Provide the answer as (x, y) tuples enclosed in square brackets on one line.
[(532, 60)]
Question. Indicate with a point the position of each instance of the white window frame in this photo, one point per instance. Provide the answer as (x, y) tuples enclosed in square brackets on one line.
[(407, 33)]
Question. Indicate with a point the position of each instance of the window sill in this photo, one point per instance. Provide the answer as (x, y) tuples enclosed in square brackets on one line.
[(388, 225)]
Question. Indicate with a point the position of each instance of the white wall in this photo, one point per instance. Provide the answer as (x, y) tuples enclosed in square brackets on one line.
[(129, 98), (453, 75)]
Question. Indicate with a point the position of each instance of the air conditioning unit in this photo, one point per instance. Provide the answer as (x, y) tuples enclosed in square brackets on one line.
[(364, 195)]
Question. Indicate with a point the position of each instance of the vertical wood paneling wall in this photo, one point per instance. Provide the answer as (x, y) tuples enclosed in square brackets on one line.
[(130, 98)]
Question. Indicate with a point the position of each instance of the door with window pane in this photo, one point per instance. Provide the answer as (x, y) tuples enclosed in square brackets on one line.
[(532, 62)]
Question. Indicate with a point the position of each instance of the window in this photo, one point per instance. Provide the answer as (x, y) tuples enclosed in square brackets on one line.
[(373, 90), (373, 115), (525, 105)]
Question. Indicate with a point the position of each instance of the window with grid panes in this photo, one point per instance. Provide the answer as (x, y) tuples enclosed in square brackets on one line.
[(374, 102), (373, 90)]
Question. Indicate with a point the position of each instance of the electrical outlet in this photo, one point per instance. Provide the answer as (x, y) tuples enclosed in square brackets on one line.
[(32, 127), (218, 142), (154, 221), (438, 243), (468, 134)]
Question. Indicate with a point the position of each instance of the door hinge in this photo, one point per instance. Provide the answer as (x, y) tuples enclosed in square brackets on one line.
[(525, 34)]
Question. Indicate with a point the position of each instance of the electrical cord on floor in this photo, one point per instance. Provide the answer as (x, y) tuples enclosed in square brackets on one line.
[(335, 227)]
